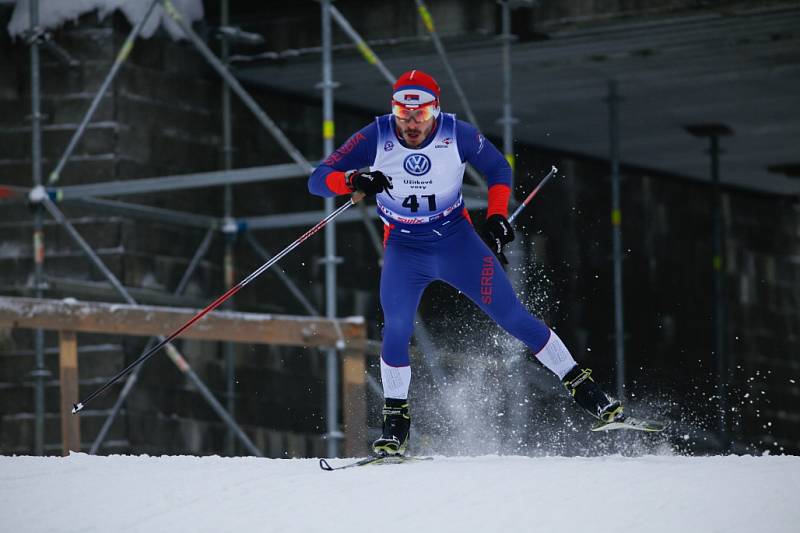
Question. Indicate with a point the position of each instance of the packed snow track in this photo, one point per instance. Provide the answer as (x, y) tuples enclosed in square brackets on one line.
[(449, 494)]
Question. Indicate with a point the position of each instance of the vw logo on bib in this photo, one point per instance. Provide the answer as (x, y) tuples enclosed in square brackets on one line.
[(417, 164)]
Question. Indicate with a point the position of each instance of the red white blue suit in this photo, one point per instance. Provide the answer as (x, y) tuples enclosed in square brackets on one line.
[(428, 234)]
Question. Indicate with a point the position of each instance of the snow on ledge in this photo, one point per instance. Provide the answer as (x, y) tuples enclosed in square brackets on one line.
[(54, 13)]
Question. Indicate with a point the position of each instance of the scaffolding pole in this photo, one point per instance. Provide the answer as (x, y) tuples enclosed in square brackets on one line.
[(712, 132), (122, 56), (334, 435), (236, 87), (268, 221), (229, 227), (39, 373), (427, 20), (170, 216), (508, 119), (172, 352), (371, 57), (616, 236), (718, 241), (133, 377), (279, 272), (180, 182)]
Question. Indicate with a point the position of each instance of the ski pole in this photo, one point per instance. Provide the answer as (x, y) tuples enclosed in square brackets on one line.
[(354, 199), (527, 200)]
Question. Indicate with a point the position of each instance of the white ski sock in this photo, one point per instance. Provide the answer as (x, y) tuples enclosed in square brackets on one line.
[(395, 380), (556, 356)]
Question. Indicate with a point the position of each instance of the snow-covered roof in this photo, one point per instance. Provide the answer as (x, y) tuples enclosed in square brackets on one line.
[(54, 13)]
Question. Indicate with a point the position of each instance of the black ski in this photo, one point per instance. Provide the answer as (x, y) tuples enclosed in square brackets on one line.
[(374, 460), (630, 422)]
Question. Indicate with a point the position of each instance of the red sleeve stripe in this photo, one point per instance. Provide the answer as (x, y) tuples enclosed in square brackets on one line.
[(335, 182), (498, 200)]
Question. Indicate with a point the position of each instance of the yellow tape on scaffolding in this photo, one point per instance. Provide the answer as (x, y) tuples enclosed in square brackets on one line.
[(367, 52), (327, 129), (125, 51), (426, 18), (171, 11)]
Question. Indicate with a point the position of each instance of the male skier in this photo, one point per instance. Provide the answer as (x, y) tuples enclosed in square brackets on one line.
[(413, 161)]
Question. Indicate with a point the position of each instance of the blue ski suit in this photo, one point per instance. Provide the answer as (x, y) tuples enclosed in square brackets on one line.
[(428, 234)]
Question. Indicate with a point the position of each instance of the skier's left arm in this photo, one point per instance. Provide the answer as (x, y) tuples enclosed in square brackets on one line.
[(477, 150)]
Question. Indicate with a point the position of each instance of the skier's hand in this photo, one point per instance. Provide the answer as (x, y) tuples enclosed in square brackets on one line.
[(370, 183), (497, 233)]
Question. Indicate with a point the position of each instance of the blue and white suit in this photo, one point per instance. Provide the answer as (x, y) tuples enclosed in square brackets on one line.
[(428, 235)]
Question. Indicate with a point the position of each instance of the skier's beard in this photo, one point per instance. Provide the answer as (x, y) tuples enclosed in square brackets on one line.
[(415, 135)]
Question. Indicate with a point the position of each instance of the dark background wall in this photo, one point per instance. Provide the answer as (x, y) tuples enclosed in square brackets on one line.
[(162, 117)]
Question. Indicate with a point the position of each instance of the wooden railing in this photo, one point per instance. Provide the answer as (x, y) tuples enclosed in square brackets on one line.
[(69, 317)]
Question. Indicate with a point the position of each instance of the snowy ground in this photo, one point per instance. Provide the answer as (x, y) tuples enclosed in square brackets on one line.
[(479, 494)]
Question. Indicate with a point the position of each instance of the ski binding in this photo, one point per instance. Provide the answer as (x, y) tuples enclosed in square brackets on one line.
[(629, 422), (374, 460)]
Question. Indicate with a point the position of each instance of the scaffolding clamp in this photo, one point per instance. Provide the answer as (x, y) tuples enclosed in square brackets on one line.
[(333, 435), (230, 226), (39, 36), (35, 35), (37, 195), (40, 373), (234, 34), (335, 259), (331, 84), (504, 120)]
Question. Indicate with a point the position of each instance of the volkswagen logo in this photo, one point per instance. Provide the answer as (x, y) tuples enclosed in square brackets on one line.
[(417, 164)]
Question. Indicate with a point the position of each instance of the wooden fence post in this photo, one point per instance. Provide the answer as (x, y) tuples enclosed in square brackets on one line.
[(354, 403), (68, 372)]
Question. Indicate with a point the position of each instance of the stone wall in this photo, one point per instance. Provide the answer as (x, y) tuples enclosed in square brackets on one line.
[(162, 117)]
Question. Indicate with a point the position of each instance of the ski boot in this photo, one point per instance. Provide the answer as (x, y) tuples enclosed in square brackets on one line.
[(591, 398), (396, 428)]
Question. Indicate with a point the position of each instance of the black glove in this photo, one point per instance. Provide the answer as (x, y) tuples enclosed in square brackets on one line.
[(498, 232), (370, 183)]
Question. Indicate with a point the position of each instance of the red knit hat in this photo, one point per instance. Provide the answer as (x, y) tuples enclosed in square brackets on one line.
[(415, 88)]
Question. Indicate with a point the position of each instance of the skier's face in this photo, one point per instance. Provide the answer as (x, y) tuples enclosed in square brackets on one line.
[(414, 132)]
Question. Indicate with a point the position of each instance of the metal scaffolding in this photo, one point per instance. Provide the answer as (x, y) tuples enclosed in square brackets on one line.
[(713, 131), (616, 236), (47, 198), (39, 373), (229, 227)]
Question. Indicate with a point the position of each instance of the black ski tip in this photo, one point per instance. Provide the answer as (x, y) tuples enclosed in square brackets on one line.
[(323, 464), (76, 407)]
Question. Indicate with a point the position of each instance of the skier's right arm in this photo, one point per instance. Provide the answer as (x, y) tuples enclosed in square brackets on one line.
[(330, 177)]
